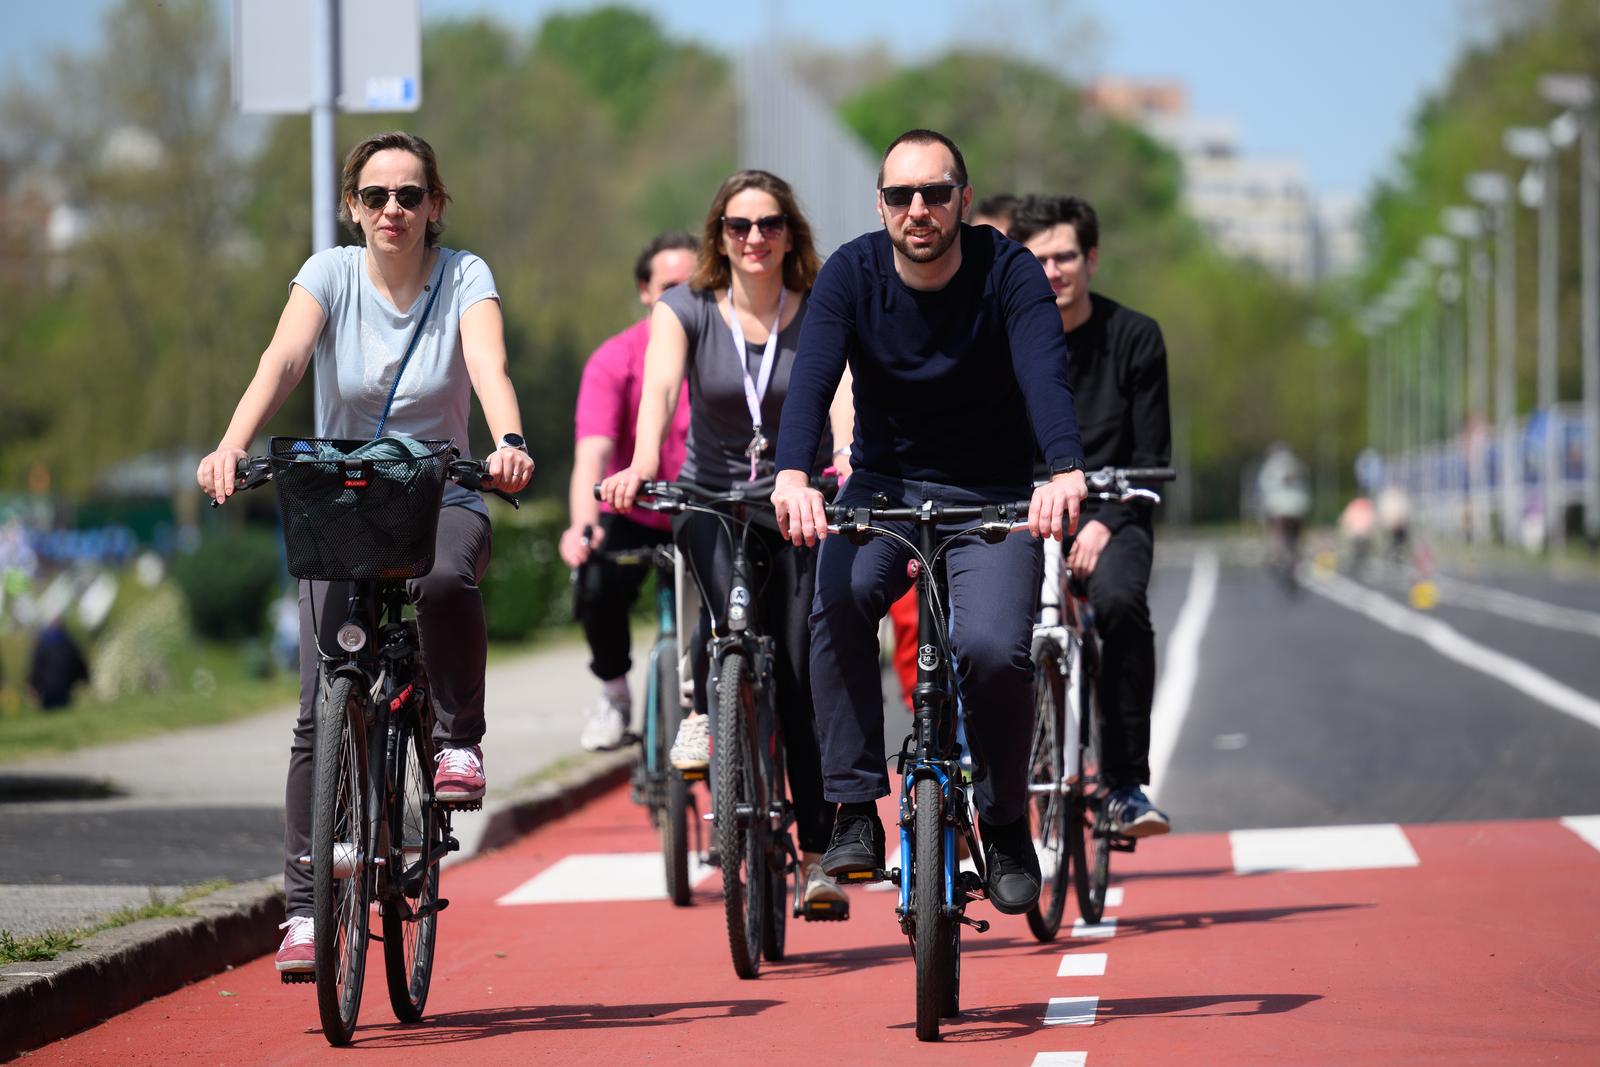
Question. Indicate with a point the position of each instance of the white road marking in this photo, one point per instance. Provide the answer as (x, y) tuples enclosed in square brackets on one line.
[(1114, 897), (1519, 607), (613, 876), (1103, 928), (1585, 826), (1082, 965), (1453, 645), (1321, 848), (1071, 1011), (1061, 1059), (1175, 687)]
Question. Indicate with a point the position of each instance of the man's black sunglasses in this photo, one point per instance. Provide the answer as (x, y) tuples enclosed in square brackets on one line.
[(376, 197), (771, 226), (933, 195)]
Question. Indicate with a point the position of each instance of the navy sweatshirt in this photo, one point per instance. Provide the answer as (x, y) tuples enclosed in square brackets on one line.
[(951, 386)]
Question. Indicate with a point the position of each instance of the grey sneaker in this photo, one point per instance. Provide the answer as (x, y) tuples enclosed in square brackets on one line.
[(606, 725), (823, 899), (1130, 813), (691, 750)]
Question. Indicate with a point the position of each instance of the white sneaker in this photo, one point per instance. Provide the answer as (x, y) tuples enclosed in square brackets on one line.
[(691, 750), (606, 724), (822, 896)]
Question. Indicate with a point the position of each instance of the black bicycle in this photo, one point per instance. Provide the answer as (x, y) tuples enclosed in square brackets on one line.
[(1066, 787), (935, 808), (664, 792), (377, 831)]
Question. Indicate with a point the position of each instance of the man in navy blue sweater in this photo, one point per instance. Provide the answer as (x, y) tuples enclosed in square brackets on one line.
[(960, 366)]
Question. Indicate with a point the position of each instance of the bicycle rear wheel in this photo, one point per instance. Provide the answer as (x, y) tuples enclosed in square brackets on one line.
[(1047, 798), (740, 820), (673, 819), (936, 940), (1091, 847), (340, 851), (410, 925)]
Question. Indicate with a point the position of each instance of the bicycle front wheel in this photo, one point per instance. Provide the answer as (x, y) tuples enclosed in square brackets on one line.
[(774, 932), (937, 945), (1090, 844), (340, 851), (1047, 798), (740, 820), (673, 819), (410, 924)]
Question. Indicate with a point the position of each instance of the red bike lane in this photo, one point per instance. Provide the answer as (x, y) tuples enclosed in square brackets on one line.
[(1447, 943)]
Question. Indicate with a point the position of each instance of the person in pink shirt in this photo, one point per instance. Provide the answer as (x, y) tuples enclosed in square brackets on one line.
[(608, 408)]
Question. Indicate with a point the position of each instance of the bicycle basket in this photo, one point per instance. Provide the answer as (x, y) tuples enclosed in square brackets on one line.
[(352, 518)]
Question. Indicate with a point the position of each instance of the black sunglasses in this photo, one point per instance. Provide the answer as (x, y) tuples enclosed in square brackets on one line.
[(932, 195), (771, 226), (376, 197)]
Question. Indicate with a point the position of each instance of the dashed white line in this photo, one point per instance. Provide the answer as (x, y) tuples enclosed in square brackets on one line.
[(1082, 965), (1321, 848), (1114, 897), (611, 876), (1103, 928), (1061, 1059), (1175, 687), (1585, 826), (1519, 607), (1071, 1011)]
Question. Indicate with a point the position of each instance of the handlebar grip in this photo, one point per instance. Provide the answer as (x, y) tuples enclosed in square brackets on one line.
[(1150, 474)]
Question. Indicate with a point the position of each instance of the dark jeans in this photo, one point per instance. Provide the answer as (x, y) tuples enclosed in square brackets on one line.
[(1119, 594), (455, 642), (605, 594), (783, 578), (993, 593)]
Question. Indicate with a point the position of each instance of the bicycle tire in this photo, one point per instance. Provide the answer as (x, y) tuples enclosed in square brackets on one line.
[(1091, 848), (742, 847), (408, 942), (774, 932), (673, 819), (1047, 811), (339, 818), (933, 937)]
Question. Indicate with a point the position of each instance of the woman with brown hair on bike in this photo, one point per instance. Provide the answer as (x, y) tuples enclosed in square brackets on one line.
[(401, 332), (732, 333)]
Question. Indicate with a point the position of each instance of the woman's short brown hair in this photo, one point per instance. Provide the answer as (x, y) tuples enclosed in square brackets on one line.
[(800, 264), (404, 142)]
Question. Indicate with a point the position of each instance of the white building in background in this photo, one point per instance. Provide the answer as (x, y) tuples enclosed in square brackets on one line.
[(1259, 209)]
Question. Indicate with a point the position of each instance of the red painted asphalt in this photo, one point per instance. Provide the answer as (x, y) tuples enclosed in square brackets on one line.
[(1487, 951)]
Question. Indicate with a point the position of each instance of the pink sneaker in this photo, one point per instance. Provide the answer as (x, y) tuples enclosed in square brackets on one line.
[(460, 774), (298, 953)]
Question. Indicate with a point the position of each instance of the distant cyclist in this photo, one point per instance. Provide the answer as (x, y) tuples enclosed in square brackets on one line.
[(732, 334), (1119, 386), (1285, 501), (956, 351), (608, 409), (353, 312)]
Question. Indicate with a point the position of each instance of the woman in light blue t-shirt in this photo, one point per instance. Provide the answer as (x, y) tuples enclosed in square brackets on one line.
[(352, 312)]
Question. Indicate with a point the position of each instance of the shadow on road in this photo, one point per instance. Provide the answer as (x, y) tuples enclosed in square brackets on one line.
[(23, 787), (452, 1027), (984, 1024), (1199, 920)]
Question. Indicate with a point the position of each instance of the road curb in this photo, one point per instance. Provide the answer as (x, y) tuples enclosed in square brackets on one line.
[(121, 968)]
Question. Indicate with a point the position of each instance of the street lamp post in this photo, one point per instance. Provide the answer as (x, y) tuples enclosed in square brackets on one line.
[(1538, 189), (1466, 224), (1493, 190), (1578, 93), (1450, 351)]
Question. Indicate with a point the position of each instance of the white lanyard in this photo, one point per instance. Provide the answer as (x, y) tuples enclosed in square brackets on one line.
[(754, 390)]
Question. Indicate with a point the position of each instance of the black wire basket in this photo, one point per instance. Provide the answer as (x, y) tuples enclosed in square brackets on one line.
[(351, 519)]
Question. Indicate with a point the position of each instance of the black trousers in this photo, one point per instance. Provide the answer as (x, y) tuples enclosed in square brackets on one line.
[(605, 594), (1119, 595), (993, 593), (783, 579), (455, 643)]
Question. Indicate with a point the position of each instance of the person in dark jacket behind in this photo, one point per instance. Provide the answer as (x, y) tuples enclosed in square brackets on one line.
[(57, 664)]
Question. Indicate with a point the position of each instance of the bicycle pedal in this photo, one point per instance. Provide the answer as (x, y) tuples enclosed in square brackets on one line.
[(692, 774), (462, 805), (298, 977), (825, 911), (1119, 843), (979, 925), (863, 877)]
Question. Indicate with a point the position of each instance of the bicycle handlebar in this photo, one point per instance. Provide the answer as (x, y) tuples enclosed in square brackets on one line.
[(254, 471), (673, 497)]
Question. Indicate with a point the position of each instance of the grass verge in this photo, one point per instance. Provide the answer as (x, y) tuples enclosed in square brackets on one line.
[(52, 943)]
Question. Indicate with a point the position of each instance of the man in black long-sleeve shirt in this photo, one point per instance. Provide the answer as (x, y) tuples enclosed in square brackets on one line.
[(960, 366), (1119, 385)]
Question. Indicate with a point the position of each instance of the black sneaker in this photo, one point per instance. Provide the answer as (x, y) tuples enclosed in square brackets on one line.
[(1130, 813), (857, 843), (1012, 866)]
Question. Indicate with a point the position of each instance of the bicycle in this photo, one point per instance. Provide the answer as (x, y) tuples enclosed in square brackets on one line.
[(663, 791), (377, 830), (1066, 789), (934, 803)]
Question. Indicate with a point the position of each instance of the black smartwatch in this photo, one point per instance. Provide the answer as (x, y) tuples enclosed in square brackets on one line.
[(1065, 466), (513, 440)]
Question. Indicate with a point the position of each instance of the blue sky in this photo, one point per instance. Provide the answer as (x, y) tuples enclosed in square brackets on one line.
[(1332, 84)]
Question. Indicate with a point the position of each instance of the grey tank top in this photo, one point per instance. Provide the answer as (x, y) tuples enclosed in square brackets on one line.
[(719, 417)]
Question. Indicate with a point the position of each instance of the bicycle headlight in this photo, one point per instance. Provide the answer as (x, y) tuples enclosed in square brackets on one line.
[(352, 638)]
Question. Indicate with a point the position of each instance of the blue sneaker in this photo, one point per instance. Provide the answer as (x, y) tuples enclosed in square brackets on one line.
[(1130, 813)]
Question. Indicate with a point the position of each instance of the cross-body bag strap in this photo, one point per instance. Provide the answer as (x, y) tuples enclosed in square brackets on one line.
[(416, 335)]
